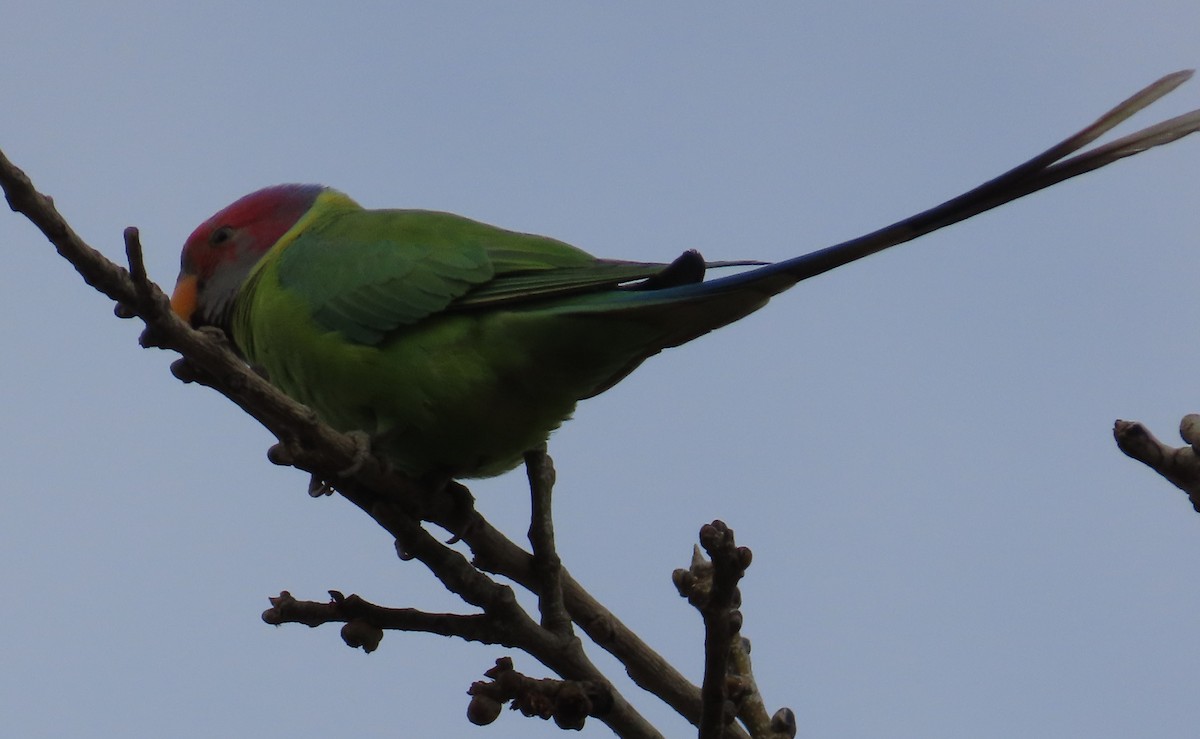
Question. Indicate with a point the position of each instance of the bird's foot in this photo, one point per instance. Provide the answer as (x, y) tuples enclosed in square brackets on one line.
[(462, 519), (318, 487), (215, 334), (362, 452)]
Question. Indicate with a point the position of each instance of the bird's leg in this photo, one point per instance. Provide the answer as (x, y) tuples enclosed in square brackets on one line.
[(216, 335), (547, 566), (459, 516)]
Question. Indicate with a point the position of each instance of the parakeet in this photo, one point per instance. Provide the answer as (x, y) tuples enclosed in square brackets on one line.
[(458, 346)]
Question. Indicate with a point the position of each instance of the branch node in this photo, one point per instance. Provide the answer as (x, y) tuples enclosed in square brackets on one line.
[(568, 702), (1189, 430), (483, 709), (361, 633), (152, 337), (783, 723), (403, 552), (184, 370), (1180, 466), (735, 621), (279, 604), (137, 266), (281, 454)]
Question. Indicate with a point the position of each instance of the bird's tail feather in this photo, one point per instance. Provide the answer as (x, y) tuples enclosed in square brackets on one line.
[(686, 311), (1048, 168)]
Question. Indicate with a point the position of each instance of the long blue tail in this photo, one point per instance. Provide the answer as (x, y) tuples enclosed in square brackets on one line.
[(697, 308), (1048, 168), (678, 307)]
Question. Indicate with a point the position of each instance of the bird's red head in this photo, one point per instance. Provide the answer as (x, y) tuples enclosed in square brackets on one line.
[(222, 251)]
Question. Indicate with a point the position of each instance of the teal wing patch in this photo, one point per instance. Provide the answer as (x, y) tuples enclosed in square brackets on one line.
[(518, 287), (597, 274)]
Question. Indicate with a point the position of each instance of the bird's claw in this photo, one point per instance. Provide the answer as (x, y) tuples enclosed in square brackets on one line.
[(362, 452), (318, 488)]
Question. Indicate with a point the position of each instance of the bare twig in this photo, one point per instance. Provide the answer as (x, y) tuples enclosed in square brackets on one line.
[(752, 710), (729, 688), (285, 609), (722, 622), (1181, 466), (568, 702), (562, 654), (711, 586), (497, 554)]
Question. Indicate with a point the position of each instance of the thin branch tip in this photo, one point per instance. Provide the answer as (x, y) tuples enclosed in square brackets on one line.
[(783, 723), (1178, 465), (133, 251)]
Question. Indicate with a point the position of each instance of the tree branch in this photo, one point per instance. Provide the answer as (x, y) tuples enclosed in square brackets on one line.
[(729, 688), (568, 702), (495, 553), (476, 627), (564, 655), (1180, 466)]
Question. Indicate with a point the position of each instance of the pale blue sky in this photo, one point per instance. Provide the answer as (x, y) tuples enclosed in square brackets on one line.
[(917, 447)]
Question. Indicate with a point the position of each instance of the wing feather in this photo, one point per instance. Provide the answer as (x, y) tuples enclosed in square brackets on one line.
[(368, 273)]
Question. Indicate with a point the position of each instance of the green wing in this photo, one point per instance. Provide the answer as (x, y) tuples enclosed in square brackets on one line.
[(367, 273)]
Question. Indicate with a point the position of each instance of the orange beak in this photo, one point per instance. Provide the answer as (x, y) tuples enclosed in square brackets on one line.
[(183, 300)]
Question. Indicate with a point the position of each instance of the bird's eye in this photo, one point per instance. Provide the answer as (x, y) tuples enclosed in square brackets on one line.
[(220, 236)]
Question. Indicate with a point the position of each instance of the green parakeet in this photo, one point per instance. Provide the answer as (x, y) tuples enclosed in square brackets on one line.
[(458, 346)]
